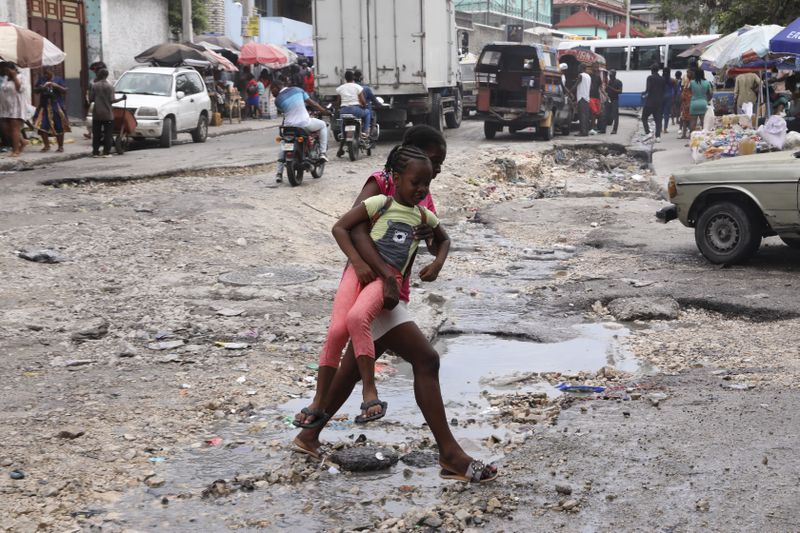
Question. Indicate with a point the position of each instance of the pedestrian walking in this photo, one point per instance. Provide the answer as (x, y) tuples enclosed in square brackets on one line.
[(394, 329), (50, 119), (13, 107), (653, 102), (701, 96), (686, 98), (597, 120), (675, 113), (582, 88), (614, 89), (358, 302), (251, 90), (103, 116), (669, 97)]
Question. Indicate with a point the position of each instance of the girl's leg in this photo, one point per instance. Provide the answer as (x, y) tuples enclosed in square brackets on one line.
[(335, 341), (45, 141), (60, 141), (16, 136), (410, 343)]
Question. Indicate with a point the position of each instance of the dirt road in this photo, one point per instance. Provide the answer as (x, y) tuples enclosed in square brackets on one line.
[(136, 374)]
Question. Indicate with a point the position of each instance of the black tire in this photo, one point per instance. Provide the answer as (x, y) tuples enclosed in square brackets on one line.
[(453, 120), (200, 133), (548, 133), (353, 151), (512, 130), (318, 170), (167, 132), (294, 172), (489, 130), (120, 144), (791, 242), (728, 233), (369, 151), (435, 118)]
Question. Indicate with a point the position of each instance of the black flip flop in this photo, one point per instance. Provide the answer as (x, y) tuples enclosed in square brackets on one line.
[(363, 419), (320, 417)]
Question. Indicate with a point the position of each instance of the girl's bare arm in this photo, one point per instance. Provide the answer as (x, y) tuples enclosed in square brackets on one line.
[(442, 240)]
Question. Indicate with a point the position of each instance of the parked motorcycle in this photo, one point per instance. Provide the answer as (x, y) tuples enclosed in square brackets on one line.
[(301, 152), (350, 138)]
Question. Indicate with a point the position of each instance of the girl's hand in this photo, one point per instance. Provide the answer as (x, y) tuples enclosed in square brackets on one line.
[(430, 272), (391, 293), (364, 273), (423, 232)]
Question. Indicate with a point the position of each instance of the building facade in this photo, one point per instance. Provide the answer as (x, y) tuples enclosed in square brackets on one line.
[(607, 12), (501, 12)]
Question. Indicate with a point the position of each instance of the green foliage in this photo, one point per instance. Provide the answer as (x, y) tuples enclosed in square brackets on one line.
[(199, 16), (699, 16)]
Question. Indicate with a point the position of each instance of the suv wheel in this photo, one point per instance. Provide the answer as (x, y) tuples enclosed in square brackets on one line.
[(167, 133), (200, 133), (728, 233)]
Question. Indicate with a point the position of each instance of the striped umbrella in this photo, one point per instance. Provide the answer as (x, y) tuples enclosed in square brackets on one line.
[(27, 48)]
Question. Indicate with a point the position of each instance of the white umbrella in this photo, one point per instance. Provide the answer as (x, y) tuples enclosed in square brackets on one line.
[(27, 48), (742, 46)]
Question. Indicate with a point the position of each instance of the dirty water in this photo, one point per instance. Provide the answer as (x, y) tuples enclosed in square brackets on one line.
[(471, 367)]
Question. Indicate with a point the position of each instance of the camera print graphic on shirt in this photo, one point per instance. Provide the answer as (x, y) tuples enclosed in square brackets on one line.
[(395, 245)]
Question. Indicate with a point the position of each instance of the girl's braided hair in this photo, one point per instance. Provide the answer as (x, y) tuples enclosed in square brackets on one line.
[(423, 136), (401, 155)]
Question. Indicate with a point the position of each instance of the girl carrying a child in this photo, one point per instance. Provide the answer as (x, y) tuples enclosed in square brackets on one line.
[(393, 219)]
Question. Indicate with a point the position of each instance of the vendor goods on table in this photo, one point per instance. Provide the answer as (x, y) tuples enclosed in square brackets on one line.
[(732, 136)]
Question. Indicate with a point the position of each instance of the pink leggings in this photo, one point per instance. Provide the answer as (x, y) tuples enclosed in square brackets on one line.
[(354, 309)]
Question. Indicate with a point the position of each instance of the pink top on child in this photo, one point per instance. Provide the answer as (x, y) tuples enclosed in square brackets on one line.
[(386, 185)]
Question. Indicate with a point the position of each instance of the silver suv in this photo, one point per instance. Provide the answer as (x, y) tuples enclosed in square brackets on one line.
[(166, 101)]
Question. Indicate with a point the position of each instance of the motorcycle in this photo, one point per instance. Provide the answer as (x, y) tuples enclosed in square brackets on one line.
[(350, 138), (301, 152)]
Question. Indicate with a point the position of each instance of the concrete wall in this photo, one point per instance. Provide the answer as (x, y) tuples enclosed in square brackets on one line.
[(482, 35), (233, 21), (129, 28), (279, 30), (15, 11), (216, 16)]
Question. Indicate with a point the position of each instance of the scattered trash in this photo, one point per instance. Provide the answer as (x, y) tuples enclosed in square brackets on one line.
[(214, 441), (251, 393), (166, 345), (312, 366), (156, 459), (293, 314), (185, 386), (93, 330), (241, 379), (594, 224), (737, 386), (17, 474), (44, 255), (70, 434), (232, 345), (566, 387), (333, 470), (379, 456), (230, 312)]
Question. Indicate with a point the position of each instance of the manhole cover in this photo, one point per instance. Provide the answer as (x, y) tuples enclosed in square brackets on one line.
[(268, 276)]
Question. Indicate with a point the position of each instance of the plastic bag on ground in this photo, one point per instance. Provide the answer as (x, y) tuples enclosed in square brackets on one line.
[(792, 141), (774, 131), (709, 119)]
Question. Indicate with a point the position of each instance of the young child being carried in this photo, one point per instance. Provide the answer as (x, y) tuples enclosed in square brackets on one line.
[(393, 220)]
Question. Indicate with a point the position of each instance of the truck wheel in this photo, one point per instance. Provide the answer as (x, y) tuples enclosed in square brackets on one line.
[(728, 233), (453, 120), (549, 132), (166, 133), (489, 130), (435, 116)]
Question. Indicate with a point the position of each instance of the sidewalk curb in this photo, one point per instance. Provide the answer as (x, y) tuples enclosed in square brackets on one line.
[(82, 180), (21, 165)]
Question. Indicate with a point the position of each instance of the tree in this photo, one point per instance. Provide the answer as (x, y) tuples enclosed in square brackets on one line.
[(199, 16), (700, 16)]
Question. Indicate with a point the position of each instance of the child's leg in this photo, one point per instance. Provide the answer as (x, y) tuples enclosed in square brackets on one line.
[(359, 321)]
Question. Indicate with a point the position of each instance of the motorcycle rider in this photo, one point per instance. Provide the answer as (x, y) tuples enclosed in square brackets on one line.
[(292, 103), (352, 101)]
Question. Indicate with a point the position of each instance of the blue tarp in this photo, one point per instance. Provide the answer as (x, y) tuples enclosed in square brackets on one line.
[(787, 41)]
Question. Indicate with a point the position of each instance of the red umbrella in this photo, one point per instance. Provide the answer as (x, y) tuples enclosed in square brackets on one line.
[(269, 55)]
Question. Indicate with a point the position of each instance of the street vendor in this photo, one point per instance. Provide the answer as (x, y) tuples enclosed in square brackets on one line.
[(746, 89)]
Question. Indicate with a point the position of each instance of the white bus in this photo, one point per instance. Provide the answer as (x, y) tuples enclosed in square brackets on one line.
[(632, 59)]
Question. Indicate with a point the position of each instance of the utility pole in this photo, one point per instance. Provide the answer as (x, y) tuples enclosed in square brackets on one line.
[(186, 22), (627, 19)]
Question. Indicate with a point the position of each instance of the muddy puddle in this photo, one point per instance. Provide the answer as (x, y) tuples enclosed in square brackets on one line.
[(473, 369)]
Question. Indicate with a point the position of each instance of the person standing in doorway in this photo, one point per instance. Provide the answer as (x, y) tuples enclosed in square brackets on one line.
[(653, 102), (614, 89), (582, 87), (103, 117)]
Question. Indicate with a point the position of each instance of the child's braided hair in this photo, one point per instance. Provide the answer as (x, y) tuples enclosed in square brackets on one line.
[(423, 136), (401, 155)]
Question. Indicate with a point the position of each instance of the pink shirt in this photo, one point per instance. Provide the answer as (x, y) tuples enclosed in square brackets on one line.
[(386, 185)]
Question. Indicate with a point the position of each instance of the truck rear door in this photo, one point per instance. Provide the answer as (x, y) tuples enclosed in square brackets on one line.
[(396, 42), (340, 41)]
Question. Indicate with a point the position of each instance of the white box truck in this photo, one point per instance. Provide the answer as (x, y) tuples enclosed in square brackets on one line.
[(406, 50)]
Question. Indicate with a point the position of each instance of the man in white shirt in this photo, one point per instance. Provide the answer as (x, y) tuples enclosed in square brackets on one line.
[(353, 102), (292, 102), (582, 87)]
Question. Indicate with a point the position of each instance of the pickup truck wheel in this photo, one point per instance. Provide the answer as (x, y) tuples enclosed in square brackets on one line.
[(453, 120), (549, 132), (728, 233), (200, 133), (435, 118), (167, 133), (489, 130)]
